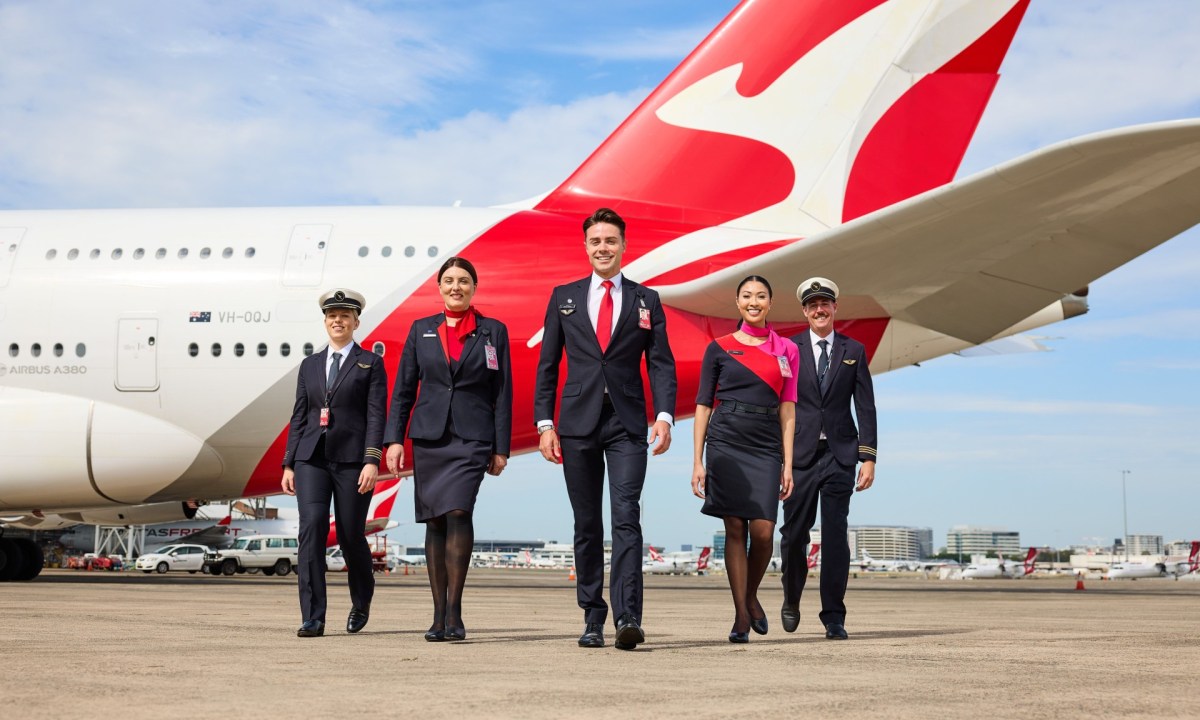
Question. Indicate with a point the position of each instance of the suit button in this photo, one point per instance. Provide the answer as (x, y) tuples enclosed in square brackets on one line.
[(604, 362)]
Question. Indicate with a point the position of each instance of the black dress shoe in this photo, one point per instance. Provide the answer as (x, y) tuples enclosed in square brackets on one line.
[(435, 635), (629, 633), (357, 620), (759, 625), (311, 628), (836, 631), (456, 633), (593, 636), (790, 614), (739, 637)]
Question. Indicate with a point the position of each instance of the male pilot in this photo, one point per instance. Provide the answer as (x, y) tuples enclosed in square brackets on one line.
[(607, 323), (333, 452), (833, 371)]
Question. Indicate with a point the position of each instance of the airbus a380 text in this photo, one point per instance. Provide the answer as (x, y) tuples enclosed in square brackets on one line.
[(801, 137)]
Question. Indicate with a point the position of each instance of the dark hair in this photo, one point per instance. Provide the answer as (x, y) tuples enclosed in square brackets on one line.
[(754, 278), (458, 262), (604, 215)]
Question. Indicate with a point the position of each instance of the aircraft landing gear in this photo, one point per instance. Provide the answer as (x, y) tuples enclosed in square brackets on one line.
[(20, 559)]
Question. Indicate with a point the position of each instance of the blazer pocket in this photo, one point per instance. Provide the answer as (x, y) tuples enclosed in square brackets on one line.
[(633, 391), (572, 389)]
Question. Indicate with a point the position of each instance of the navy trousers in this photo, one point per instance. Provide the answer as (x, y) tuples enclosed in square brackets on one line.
[(319, 481), (833, 484), (584, 459)]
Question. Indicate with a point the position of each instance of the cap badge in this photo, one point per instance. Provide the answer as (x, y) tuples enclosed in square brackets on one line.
[(815, 286), (339, 296)]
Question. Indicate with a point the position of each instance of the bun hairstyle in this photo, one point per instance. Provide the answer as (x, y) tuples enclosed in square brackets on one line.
[(458, 262)]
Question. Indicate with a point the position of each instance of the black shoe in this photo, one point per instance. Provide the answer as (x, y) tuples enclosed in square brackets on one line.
[(456, 633), (311, 628), (790, 614), (357, 620), (593, 636), (759, 625), (739, 637), (836, 631), (435, 635), (629, 633)]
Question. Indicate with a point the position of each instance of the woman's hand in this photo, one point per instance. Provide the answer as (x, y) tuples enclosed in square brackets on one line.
[(497, 464), (698, 480), (395, 458), (785, 482)]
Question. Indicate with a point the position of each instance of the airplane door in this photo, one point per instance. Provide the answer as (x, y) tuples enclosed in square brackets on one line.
[(305, 263), (137, 354), (10, 243)]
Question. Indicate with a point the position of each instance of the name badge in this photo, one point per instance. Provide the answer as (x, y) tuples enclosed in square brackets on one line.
[(644, 318), (493, 363), (430, 334), (784, 368), (324, 417)]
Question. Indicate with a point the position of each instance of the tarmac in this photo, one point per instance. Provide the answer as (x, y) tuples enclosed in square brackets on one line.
[(102, 644)]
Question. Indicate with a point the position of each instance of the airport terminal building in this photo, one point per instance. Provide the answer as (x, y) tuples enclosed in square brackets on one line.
[(980, 540)]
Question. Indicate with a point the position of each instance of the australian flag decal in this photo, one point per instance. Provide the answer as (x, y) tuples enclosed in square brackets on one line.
[(199, 316)]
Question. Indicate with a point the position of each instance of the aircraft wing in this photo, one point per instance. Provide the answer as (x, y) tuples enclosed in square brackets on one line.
[(214, 536), (973, 258)]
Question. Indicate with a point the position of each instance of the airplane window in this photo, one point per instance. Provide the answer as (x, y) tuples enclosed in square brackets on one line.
[(308, 349), (73, 254), (160, 253), (227, 253), (80, 350), (239, 349), (409, 251), (116, 254), (58, 349), (262, 349), (95, 253), (249, 252), (285, 349), (139, 254), (386, 251), (193, 349), (204, 253), (182, 253), (362, 251), (378, 349), (433, 251), (216, 349), (50, 254), (14, 349), (35, 349)]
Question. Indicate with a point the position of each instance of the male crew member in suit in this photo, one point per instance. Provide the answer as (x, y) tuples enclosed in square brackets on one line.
[(833, 373), (606, 323), (333, 453)]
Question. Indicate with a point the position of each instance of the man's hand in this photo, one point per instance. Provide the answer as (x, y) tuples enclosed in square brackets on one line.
[(395, 458), (366, 478), (866, 475), (289, 481), (662, 432), (549, 446), (497, 465)]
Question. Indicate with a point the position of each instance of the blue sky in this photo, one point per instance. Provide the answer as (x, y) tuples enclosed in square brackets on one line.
[(141, 104)]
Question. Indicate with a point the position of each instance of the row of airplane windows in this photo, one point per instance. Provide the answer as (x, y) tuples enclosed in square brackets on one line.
[(285, 349), (205, 253), (35, 350)]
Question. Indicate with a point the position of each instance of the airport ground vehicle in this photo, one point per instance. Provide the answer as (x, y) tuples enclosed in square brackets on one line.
[(334, 562), (272, 554), (183, 556)]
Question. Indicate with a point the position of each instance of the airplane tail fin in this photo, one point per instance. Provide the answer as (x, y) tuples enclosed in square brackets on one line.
[(1030, 559), (225, 521), (1194, 557), (813, 551), (840, 107), (384, 497), (655, 555), (702, 561)]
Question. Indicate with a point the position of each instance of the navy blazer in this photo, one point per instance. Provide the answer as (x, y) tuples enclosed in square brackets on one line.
[(476, 399), (848, 378), (357, 409), (618, 368)]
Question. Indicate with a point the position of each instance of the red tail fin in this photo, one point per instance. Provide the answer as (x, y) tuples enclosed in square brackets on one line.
[(813, 552), (702, 562), (225, 521), (1194, 557), (382, 500), (1029, 560)]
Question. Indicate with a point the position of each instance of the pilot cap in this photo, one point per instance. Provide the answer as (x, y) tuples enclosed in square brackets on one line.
[(343, 298), (817, 287)]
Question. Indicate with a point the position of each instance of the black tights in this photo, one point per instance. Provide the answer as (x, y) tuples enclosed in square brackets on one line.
[(746, 568), (449, 539)]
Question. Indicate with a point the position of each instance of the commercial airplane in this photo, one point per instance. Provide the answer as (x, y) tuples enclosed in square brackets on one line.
[(870, 563), (802, 137), (1138, 569), (676, 563), (1001, 569)]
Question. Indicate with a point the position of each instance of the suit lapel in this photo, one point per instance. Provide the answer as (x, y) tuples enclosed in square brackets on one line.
[(629, 300), (469, 345), (347, 364), (578, 295), (808, 366)]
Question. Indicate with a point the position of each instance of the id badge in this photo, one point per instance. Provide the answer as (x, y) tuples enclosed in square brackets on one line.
[(785, 369), (324, 417), (493, 363), (644, 318)]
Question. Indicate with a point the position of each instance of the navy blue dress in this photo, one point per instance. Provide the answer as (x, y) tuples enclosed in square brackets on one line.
[(743, 447)]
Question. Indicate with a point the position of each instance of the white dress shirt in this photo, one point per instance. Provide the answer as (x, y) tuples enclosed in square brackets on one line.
[(816, 350), (344, 350)]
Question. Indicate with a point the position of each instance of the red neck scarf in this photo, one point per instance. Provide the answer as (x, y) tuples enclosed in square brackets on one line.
[(452, 342)]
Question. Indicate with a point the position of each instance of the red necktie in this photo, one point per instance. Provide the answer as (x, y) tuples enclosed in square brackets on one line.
[(604, 320)]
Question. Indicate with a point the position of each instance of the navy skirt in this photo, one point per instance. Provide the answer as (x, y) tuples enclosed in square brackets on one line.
[(743, 459), (447, 473)]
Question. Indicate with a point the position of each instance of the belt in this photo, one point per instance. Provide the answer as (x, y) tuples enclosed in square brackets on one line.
[(741, 407)]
